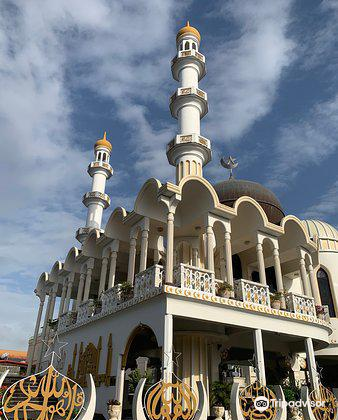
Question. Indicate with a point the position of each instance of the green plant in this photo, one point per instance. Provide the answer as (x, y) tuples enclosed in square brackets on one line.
[(134, 378), (276, 296), (126, 289), (113, 402), (224, 287), (220, 394), (291, 393)]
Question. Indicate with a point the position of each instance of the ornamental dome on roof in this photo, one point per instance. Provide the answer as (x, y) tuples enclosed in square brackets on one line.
[(325, 234), (187, 29), (232, 189), (103, 143)]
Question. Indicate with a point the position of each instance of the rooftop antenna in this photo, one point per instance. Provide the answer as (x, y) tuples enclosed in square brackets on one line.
[(229, 163)]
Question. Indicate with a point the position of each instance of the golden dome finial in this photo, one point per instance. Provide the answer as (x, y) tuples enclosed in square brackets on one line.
[(187, 29), (103, 142)]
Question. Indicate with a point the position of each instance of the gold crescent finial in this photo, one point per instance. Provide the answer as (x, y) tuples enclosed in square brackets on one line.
[(105, 135)]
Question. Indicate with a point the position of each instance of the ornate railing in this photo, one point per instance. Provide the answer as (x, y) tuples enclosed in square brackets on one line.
[(300, 304), (85, 311), (148, 280), (110, 299), (192, 278), (252, 292), (66, 320)]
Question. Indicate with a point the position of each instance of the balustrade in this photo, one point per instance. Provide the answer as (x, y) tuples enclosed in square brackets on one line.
[(300, 304), (148, 280), (252, 292), (192, 278), (110, 299)]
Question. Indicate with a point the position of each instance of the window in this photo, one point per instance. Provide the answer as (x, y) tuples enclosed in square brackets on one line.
[(186, 45), (193, 46), (325, 291), (99, 156), (181, 47)]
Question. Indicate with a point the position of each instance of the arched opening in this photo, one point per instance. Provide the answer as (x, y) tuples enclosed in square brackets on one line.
[(237, 267), (193, 46), (142, 357), (186, 45), (99, 156), (325, 291), (181, 47)]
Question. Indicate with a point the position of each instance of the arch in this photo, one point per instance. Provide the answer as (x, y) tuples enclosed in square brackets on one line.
[(147, 203), (325, 290), (54, 274), (115, 227), (250, 202), (70, 261), (41, 284), (194, 46), (136, 331), (186, 45), (89, 247), (295, 235), (300, 227)]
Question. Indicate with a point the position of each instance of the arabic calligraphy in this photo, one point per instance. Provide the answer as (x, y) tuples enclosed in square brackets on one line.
[(327, 410), (247, 398), (170, 401), (49, 393)]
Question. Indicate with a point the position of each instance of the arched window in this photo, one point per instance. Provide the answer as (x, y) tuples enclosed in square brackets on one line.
[(325, 291), (181, 47), (186, 45), (193, 46), (99, 156), (103, 157), (236, 267)]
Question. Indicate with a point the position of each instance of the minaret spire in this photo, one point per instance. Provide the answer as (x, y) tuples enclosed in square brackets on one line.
[(188, 151), (97, 200)]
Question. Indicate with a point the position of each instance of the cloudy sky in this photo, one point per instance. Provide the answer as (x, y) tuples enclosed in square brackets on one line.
[(70, 69)]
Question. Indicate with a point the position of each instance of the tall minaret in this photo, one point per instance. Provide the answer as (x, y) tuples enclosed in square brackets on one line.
[(188, 151), (96, 200)]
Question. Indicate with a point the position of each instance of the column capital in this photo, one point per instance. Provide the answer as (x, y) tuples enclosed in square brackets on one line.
[(145, 233), (170, 216), (227, 235), (275, 252), (259, 247), (132, 242), (105, 260)]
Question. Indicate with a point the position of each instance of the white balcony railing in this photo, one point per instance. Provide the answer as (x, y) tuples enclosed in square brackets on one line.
[(300, 304), (148, 280), (85, 311), (110, 299), (188, 277), (252, 292)]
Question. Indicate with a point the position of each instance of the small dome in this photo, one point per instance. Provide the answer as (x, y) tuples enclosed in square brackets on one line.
[(103, 143), (187, 29), (325, 234), (229, 191)]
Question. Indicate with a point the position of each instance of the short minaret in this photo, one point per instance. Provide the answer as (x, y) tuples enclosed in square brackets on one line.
[(188, 151), (96, 200)]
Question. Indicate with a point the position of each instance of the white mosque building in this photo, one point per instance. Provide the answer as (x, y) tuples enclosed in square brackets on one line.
[(215, 277)]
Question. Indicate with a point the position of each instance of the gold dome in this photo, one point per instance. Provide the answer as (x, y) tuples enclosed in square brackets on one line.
[(187, 29), (103, 142)]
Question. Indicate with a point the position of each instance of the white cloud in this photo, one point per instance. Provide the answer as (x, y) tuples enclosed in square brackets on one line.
[(244, 73), (306, 142)]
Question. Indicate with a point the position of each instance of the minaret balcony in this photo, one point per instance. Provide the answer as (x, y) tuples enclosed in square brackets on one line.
[(195, 141), (97, 166), (189, 96), (188, 57), (96, 197)]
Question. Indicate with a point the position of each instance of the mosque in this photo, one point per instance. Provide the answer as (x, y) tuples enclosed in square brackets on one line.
[(210, 282)]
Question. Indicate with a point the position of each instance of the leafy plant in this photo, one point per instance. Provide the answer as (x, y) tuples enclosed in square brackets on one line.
[(220, 394), (113, 402), (134, 378), (224, 287), (126, 290), (291, 393), (275, 297), (320, 310)]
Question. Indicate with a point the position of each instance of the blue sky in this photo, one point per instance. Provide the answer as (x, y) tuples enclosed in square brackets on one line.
[(73, 68)]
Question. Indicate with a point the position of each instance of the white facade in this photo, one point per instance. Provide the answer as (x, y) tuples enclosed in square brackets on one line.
[(149, 284)]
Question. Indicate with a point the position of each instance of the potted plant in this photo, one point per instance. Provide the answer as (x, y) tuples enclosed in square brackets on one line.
[(114, 409), (97, 306), (320, 311), (276, 300), (220, 399), (126, 290), (224, 289)]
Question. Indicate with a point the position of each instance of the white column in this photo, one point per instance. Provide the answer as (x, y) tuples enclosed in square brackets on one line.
[(167, 355), (103, 275), (144, 249), (80, 290), (261, 265), (210, 250), (259, 356), (112, 270), (279, 277), (131, 263), (314, 285), (195, 257), (63, 297), (311, 362), (304, 277), (119, 387), (228, 258), (36, 333), (170, 248), (71, 278), (48, 316), (88, 284)]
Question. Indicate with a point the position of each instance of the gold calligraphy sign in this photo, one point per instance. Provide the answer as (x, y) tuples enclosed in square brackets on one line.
[(323, 404), (170, 401), (247, 399), (49, 394)]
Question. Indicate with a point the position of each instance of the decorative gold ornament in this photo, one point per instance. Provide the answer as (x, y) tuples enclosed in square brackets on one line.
[(247, 398), (49, 393), (327, 410), (170, 401)]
